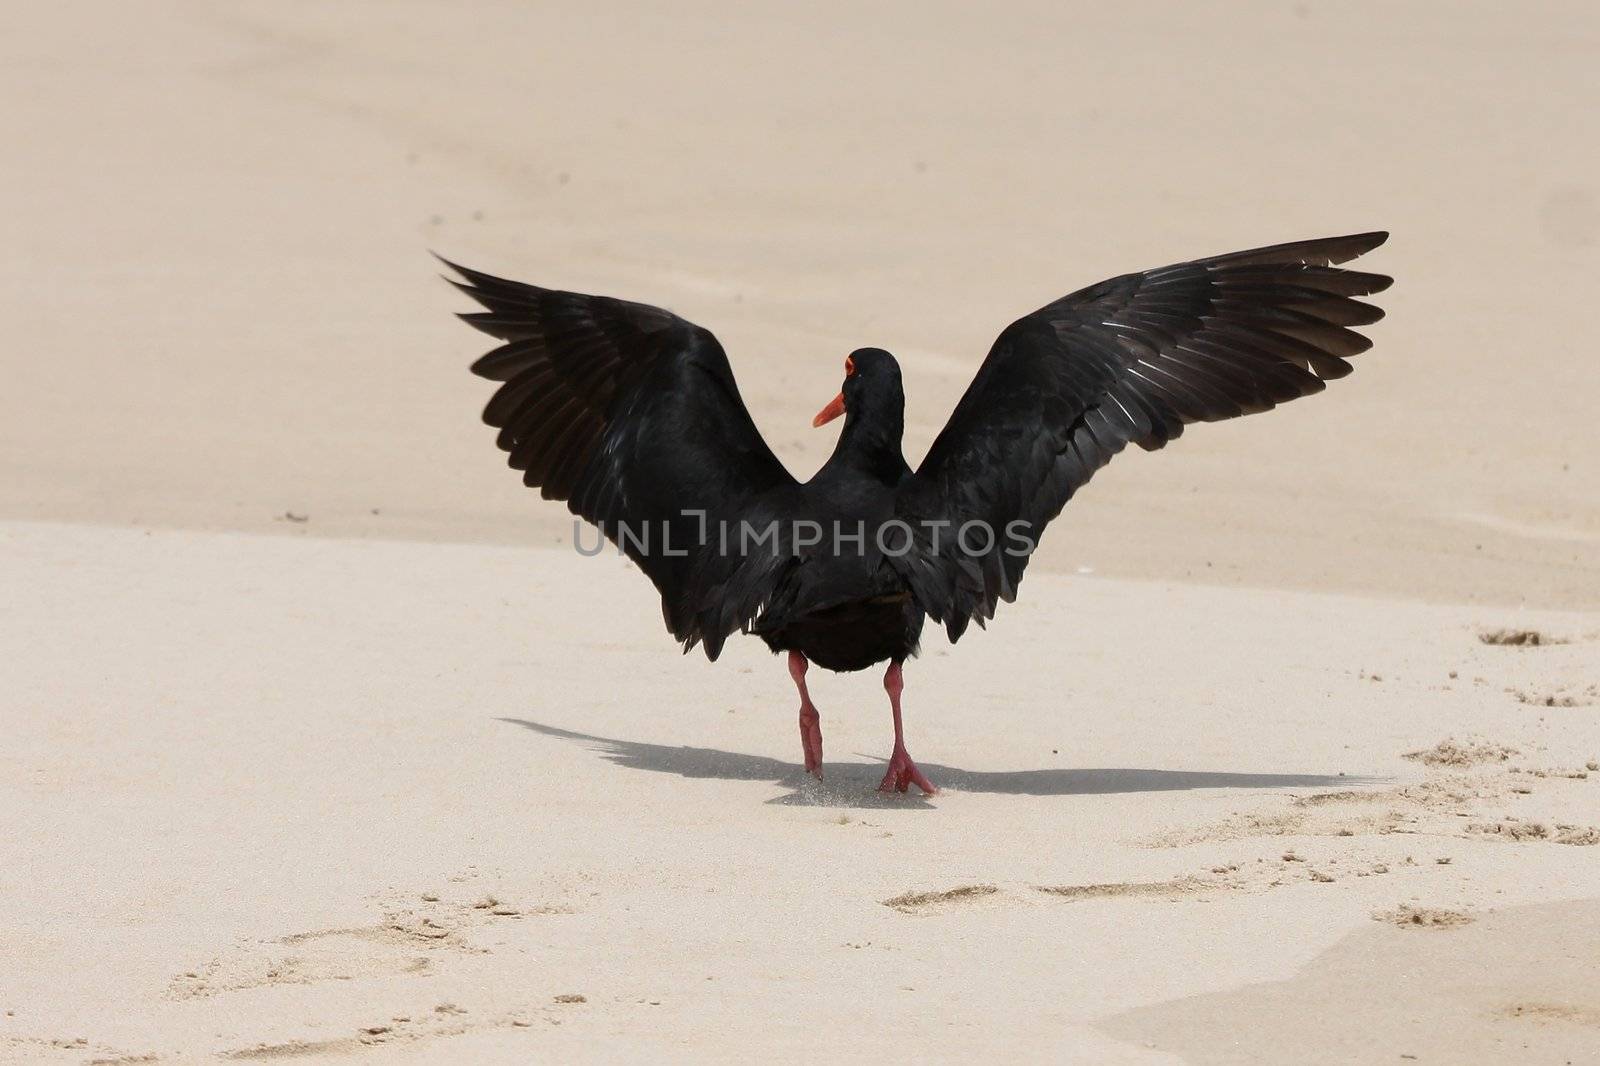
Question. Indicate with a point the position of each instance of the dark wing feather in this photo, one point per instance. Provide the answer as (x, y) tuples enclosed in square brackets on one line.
[(1130, 360), (630, 414)]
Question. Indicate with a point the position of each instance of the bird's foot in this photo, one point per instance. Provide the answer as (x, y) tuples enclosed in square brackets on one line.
[(903, 773), (811, 740)]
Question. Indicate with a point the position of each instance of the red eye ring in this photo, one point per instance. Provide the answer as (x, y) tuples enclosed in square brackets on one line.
[(849, 365)]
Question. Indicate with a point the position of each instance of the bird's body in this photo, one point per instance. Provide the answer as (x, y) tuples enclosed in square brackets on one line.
[(631, 415), (840, 602), (853, 633)]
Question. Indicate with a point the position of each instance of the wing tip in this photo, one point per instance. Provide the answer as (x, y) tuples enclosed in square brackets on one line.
[(457, 267), (478, 278), (1318, 251), (1363, 243)]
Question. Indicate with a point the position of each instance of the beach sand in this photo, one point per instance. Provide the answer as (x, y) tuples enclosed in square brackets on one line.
[(322, 744)]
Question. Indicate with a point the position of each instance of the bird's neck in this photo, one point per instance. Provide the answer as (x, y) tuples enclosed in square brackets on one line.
[(870, 445)]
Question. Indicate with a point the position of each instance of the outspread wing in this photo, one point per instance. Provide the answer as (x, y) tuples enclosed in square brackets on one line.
[(630, 414), (1133, 359)]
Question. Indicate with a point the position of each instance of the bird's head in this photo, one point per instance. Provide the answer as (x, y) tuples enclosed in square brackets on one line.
[(871, 380)]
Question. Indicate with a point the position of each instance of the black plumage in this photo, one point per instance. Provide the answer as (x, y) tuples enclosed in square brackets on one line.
[(631, 415)]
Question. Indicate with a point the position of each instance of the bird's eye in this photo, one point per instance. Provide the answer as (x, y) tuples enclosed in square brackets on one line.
[(849, 365)]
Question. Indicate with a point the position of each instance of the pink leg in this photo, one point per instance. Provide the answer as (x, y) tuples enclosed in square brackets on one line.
[(902, 771), (810, 720)]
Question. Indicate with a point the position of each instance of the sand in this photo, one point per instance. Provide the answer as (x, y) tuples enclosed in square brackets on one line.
[(323, 745), (267, 794)]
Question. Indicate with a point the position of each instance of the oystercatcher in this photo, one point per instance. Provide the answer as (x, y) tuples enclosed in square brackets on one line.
[(630, 415)]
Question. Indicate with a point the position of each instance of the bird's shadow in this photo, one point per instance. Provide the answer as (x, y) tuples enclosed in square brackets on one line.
[(853, 784)]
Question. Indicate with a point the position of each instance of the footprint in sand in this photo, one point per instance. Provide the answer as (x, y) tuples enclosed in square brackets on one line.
[(390, 947), (1515, 830), (445, 1020), (1468, 779), (935, 902), (1261, 875), (1329, 814), (1558, 696), (1552, 1012), (1175, 889), (1518, 638), (1411, 917), (410, 939), (291, 1049), (1470, 752)]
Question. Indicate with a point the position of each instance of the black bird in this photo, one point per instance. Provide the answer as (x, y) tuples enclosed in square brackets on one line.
[(630, 414)]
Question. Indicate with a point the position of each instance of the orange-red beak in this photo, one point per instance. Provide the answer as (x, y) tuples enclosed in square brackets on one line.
[(835, 406), (834, 409)]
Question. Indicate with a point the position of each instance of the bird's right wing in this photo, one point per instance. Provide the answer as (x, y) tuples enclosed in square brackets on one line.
[(1128, 361), (630, 414)]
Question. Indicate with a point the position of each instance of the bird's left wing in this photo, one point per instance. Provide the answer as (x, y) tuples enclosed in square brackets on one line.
[(1130, 360), (630, 414)]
